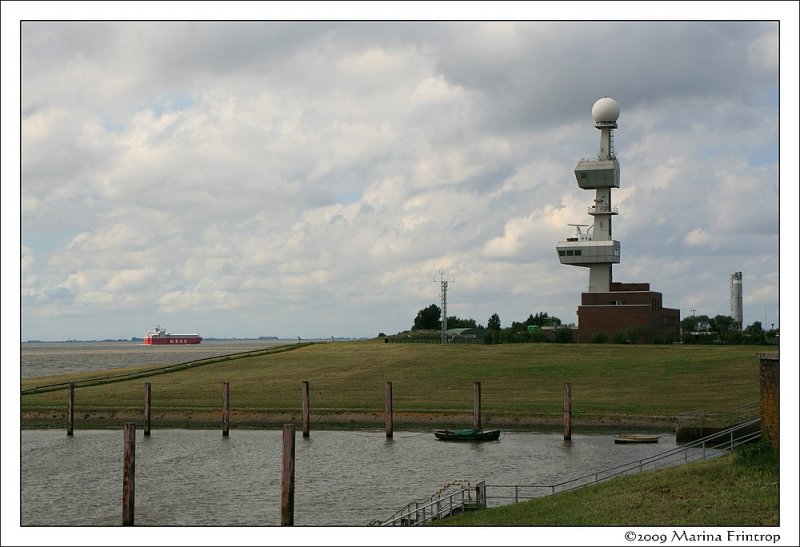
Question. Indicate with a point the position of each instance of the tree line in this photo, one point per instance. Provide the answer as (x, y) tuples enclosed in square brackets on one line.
[(695, 329), (702, 329), (529, 330)]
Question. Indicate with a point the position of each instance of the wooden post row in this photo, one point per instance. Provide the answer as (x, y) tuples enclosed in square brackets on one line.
[(129, 475), (287, 477)]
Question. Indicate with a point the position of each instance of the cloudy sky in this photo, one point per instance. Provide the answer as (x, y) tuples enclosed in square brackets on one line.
[(313, 179)]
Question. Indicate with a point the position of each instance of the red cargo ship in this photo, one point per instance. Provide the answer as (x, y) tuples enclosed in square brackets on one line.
[(159, 336)]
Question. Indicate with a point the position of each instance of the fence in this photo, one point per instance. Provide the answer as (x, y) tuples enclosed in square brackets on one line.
[(710, 446), (493, 495), (440, 505), (430, 340)]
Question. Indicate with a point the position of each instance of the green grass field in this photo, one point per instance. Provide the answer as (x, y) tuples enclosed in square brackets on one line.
[(516, 380), (740, 489)]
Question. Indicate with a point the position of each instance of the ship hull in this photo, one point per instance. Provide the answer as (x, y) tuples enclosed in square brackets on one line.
[(172, 340)]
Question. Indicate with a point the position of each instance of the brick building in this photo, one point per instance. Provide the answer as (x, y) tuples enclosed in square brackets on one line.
[(628, 310)]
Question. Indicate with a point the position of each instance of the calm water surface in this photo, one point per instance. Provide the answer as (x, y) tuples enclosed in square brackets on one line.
[(200, 478), (51, 358)]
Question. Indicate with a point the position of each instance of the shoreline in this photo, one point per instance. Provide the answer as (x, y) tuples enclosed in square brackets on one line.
[(335, 420)]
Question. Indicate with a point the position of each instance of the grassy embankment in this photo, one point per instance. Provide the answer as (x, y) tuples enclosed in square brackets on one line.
[(740, 489), (521, 385)]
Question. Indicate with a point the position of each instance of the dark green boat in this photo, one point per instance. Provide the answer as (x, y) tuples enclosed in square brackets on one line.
[(467, 435)]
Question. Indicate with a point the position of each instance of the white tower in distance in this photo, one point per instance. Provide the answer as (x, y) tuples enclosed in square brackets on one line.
[(594, 247), (736, 298)]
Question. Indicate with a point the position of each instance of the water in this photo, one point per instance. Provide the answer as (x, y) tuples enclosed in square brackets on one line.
[(199, 478), (52, 358), (342, 478)]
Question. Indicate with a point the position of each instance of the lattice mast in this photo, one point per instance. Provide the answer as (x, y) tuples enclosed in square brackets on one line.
[(443, 283)]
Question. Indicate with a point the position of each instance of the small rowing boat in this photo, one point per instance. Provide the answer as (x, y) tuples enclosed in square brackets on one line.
[(467, 435), (635, 438)]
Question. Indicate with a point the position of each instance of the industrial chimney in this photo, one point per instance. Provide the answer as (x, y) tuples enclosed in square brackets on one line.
[(736, 298)]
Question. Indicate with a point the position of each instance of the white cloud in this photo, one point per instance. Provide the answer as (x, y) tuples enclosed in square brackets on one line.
[(282, 178)]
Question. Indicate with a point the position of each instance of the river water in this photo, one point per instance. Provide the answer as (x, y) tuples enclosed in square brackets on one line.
[(51, 358), (342, 478), (200, 478)]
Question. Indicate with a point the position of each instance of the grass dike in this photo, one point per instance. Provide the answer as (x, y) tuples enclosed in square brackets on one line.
[(739, 489), (613, 386)]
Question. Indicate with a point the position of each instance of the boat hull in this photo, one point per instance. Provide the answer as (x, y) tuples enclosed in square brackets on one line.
[(467, 435), (633, 439)]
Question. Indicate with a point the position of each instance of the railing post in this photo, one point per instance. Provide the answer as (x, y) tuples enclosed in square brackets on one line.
[(287, 477), (305, 410), (70, 407), (225, 408)]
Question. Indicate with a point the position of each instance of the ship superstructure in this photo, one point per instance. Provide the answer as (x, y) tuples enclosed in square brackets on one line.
[(594, 247)]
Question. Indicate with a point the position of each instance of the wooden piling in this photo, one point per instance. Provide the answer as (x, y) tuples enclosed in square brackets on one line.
[(147, 409), (476, 406), (305, 410), (129, 475), (225, 409), (567, 412), (70, 407), (389, 417), (287, 477)]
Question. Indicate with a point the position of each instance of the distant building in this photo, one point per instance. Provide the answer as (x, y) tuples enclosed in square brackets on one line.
[(628, 309), (610, 311)]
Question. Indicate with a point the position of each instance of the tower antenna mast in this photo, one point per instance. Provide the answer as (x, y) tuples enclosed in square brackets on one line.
[(443, 282)]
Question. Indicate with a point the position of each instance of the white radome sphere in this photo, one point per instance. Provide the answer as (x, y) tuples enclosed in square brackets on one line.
[(605, 110)]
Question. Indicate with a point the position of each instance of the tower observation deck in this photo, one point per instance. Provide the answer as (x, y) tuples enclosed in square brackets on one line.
[(594, 247)]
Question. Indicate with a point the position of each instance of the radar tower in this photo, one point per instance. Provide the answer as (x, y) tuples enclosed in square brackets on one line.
[(595, 247)]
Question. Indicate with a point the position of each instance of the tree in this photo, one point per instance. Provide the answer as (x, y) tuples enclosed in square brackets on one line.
[(455, 322), (755, 333), (725, 323), (428, 318), (494, 322)]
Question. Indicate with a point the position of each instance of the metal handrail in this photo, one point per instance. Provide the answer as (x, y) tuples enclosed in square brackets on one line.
[(707, 447), (716, 444), (700, 417), (415, 513)]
